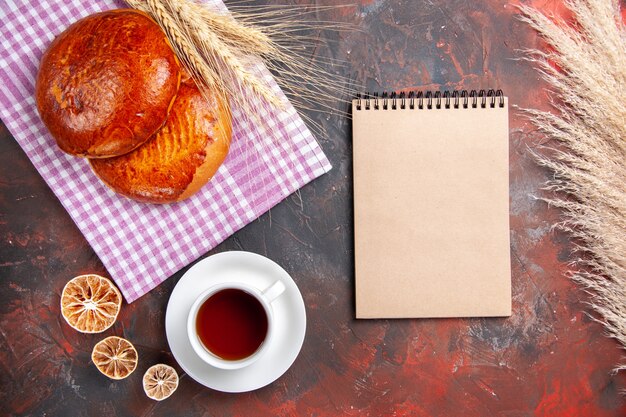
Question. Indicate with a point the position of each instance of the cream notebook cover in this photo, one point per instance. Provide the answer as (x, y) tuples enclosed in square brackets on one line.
[(431, 206)]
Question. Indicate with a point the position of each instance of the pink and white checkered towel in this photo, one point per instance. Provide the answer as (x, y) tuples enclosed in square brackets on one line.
[(143, 244)]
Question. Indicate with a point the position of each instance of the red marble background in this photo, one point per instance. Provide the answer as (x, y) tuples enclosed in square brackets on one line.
[(548, 359)]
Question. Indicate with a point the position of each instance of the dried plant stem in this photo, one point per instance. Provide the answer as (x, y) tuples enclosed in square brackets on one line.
[(586, 68), (225, 56), (247, 38), (208, 60), (222, 50), (184, 48)]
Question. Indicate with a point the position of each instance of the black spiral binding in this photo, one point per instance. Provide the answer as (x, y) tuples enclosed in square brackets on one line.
[(429, 100)]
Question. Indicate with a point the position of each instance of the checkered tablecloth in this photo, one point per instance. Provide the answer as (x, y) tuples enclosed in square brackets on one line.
[(143, 244)]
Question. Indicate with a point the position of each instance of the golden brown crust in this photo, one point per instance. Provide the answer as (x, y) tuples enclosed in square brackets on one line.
[(106, 84), (180, 158)]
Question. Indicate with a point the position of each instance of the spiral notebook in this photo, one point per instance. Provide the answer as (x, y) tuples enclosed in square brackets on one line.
[(431, 205)]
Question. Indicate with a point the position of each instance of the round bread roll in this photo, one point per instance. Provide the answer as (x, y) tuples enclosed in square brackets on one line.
[(106, 84), (180, 158)]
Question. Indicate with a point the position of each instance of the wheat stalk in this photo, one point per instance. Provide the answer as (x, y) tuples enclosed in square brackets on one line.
[(199, 22), (209, 61), (184, 48), (221, 49), (244, 37), (586, 68)]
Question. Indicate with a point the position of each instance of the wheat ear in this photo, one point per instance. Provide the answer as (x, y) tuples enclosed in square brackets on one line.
[(218, 52), (207, 58), (246, 38), (182, 45)]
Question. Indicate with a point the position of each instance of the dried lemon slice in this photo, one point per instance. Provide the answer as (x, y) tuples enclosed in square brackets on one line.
[(115, 357), (90, 303), (160, 381)]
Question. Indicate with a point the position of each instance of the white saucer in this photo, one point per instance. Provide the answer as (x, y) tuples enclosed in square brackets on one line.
[(289, 312)]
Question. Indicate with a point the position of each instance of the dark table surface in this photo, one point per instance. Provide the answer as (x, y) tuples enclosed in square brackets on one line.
[(548, 359)]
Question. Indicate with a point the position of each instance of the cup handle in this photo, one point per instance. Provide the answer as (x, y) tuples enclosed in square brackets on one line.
[(273, 291)]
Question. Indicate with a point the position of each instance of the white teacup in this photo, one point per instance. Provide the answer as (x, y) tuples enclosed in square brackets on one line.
[(264, 297)]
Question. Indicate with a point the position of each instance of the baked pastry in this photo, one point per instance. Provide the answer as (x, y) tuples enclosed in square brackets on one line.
[(180, 158), (106, 84)]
